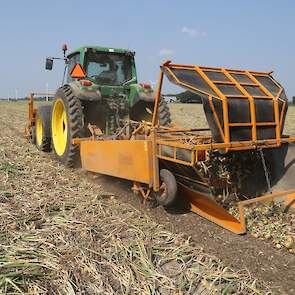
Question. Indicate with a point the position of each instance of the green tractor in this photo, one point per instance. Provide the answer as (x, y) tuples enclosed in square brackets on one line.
[(101, 90)]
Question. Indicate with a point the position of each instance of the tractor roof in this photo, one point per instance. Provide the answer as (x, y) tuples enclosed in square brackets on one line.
[(100, 48)]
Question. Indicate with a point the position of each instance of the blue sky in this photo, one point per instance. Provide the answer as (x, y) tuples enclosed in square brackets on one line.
[(258, 35)]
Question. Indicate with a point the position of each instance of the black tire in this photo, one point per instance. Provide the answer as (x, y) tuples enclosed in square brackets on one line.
[(70, 157), (168, 189), (164, 113), (42, 137), (33, 135)]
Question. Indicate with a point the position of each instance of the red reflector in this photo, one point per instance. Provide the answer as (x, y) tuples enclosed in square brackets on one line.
[(145, 85), (201, 155), (85, 83)]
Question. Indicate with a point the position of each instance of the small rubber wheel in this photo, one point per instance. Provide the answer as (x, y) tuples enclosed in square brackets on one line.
[(43, 128), (168, 189)]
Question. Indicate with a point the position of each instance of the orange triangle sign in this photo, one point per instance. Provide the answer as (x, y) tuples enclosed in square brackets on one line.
[(78, 72)]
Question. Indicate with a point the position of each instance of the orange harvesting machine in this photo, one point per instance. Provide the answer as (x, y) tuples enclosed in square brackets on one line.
[(243, 155)]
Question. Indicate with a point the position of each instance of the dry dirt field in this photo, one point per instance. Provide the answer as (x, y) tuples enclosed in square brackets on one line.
[(188, 115), (66, 231)]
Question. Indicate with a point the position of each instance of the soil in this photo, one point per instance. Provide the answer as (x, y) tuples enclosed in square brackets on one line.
[(259, 257)]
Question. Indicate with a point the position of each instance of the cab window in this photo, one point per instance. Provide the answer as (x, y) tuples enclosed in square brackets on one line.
[(108, 68)]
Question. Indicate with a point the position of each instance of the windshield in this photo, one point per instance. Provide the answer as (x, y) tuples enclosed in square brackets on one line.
[(108, 68)]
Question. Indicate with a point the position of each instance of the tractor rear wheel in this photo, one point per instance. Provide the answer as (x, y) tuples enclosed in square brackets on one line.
[(42, 132), (66, 124), (164, 113)]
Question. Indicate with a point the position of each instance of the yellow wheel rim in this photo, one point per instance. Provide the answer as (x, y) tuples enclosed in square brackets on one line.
[(59, 127), (39, 130)]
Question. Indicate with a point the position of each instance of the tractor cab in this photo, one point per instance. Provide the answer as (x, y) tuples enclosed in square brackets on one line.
[(104, 66), (99, 94)]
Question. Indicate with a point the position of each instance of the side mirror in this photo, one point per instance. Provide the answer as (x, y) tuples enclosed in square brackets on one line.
[(49, 64)]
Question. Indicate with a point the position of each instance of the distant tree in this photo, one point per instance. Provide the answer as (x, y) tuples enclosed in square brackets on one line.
[(293, 100), (188, 96)]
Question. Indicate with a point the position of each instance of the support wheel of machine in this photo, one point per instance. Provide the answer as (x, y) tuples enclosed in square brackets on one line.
[(41, 134), (168, 189), (164, 113), (66, 124)]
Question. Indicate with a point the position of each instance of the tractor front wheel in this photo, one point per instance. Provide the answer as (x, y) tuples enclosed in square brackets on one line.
[(66, 124)]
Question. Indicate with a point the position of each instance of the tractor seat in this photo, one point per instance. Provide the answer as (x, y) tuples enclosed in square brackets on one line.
[(108, 76)]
